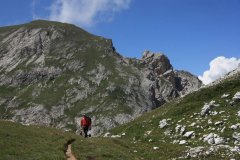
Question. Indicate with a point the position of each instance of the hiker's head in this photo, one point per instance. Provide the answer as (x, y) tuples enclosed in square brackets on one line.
[(84, 115)]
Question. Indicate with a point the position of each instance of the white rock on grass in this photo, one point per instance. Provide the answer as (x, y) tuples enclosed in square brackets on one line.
[(238, 113), (163, 123), (195, 152), (210, 141), (234, 127), (236, 136), (209, 121), (213, 139), (115, 136), (189, 134), (223, 129), (147, 133), (155, 148), (175, 142), (192, 124), (219, 123), (214, 113), (180, 129), (183, 129), (108, 134), (182, 142), (209, 138), (25, 124), (236, 97), (219, 140), (225, 95), (221, 112), (167, 132), (235, 149), (207, 107)]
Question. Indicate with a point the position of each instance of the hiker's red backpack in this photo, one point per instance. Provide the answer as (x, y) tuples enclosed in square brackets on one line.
[(86, 121)]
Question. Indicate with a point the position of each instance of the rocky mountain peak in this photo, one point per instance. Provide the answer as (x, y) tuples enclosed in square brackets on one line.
[(51, 73), (157, 62)]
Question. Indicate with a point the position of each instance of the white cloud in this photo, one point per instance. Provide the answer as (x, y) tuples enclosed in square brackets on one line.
[(86, 13), (218, 68)]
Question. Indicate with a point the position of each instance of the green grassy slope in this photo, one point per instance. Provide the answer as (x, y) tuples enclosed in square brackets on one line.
[(18, 142), (139, 137), (31, 142), (181, 111)]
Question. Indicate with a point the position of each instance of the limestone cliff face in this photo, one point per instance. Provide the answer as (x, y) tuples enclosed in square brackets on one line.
[(186, 82), (51, 73)]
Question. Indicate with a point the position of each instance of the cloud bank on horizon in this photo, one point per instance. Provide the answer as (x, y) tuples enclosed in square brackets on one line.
[(218, 68), (86, 13)]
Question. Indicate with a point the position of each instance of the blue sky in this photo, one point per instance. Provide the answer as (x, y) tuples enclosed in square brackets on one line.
[(192, 33)]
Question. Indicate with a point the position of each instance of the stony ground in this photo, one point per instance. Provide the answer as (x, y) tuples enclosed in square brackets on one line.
[(203, 125)]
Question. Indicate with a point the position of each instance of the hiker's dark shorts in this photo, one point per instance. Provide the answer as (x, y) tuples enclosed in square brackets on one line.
[(85, 130)]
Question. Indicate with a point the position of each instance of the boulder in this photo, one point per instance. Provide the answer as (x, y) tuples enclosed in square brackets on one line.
[(163, 123), (212, 139), (175, 142), (209, 121), (189, 134), (183, 129), (195, 152), (236, 136), (234, 127), (219, 123), (223, 129), (115, 136), (180, 129), (207, 107), (108, 134), (236, 97), (147, 133), (238, 113), (192, 124), (155, 148), (219, 140), (225, 95), (182, 142), (168, 132)]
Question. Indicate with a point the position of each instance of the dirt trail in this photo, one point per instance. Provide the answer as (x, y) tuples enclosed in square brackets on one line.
[(69, 153)]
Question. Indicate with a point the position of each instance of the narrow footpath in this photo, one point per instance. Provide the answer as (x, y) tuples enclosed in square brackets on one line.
[(69, 153)]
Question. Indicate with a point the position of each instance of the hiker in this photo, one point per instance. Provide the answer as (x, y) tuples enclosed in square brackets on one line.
[(86, 125)]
